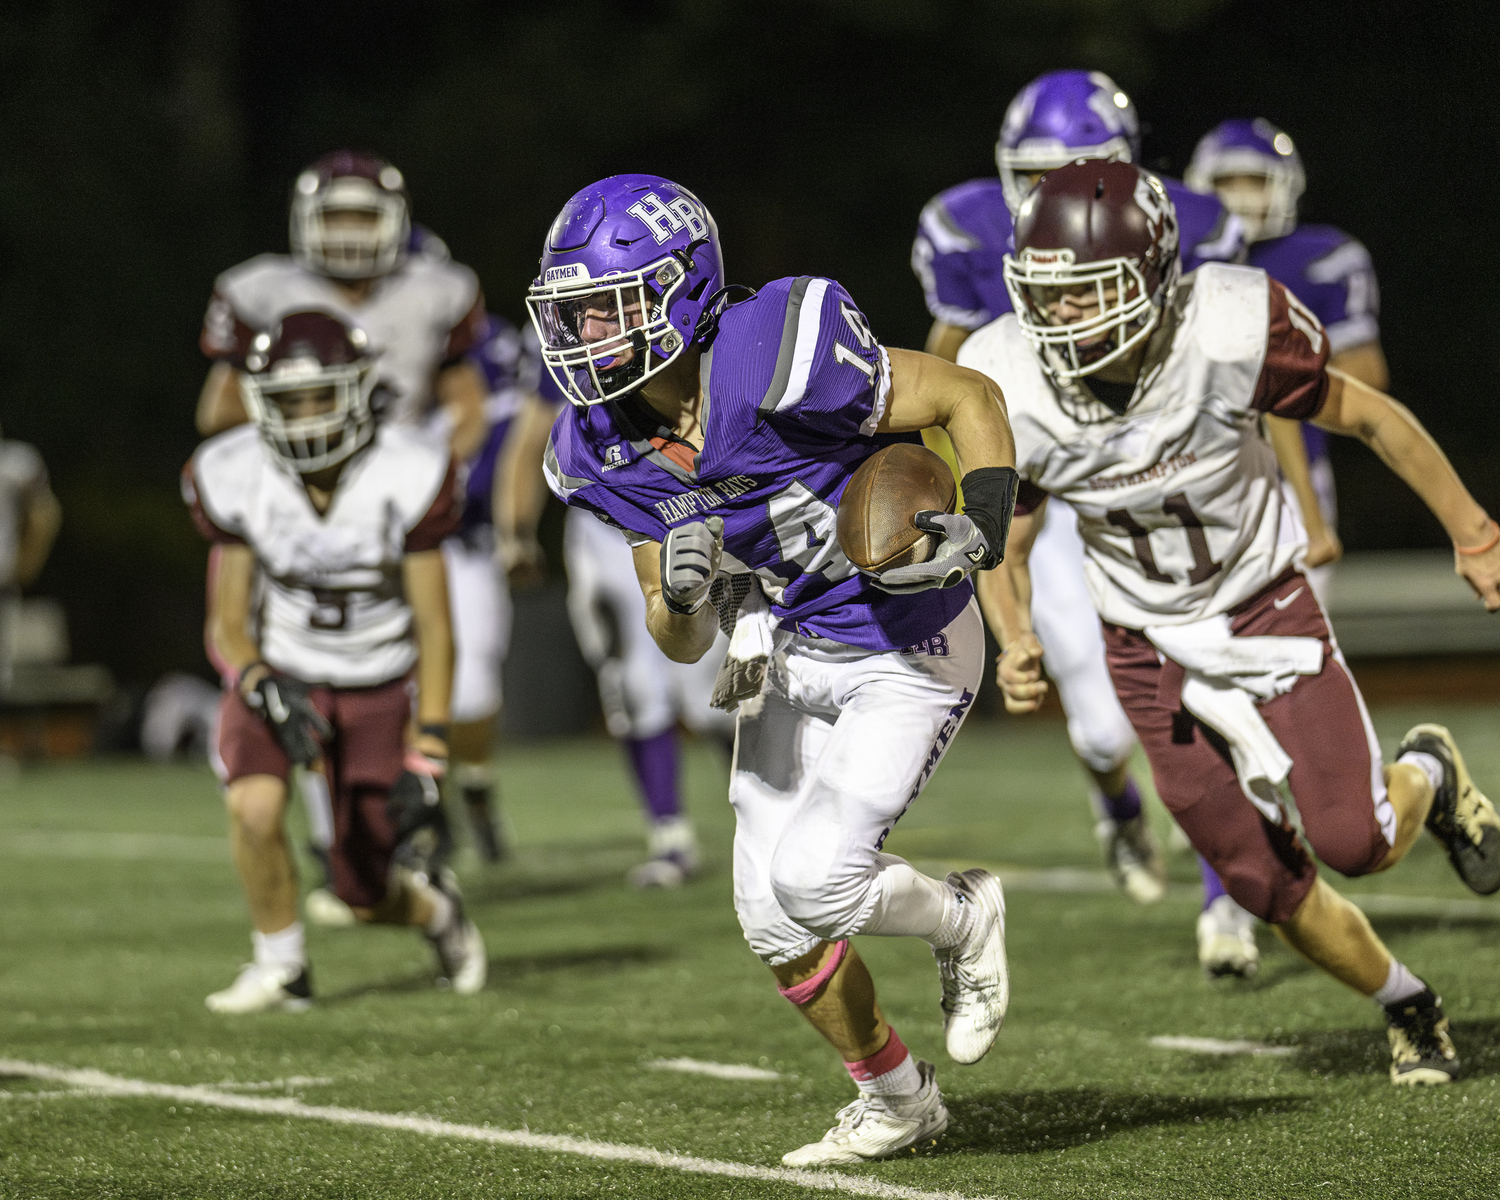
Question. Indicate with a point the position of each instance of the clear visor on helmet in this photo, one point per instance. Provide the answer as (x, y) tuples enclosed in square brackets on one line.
[(313, 416), (1079, 317), (601, 338), (351, 229)]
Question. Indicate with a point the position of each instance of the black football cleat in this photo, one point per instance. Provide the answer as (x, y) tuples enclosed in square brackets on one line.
[(487, 838), (1422, 1053), (1461, 818)]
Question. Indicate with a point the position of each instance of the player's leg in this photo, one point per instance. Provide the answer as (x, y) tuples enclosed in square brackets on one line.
[(898, 1102), (480, 605), (1098, 728), (370, 726), (608, 615), (1226, 930), (320, 904), (255, 771)]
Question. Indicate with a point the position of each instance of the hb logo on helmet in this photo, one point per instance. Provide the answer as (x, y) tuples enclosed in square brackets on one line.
[(663, 220)]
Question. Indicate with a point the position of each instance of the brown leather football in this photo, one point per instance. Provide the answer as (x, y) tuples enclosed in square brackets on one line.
[(888, 490)]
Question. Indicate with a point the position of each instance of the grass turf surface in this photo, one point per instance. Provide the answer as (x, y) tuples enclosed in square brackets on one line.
[(110, 943)]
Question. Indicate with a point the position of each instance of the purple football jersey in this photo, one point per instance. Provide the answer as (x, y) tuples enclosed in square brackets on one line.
[(511, 363), (794, 384), (965, 233), (1331, 273)]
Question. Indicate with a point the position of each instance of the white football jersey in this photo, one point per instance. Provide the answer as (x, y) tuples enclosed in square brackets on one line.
[(334, 608), (1179, 501), (422, 314), (22, 477)]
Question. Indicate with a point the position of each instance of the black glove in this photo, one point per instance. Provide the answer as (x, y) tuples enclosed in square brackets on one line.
[(972, 541), (990, 502), (284, 704)]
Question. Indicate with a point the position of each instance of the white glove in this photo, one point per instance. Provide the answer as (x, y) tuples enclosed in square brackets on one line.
[(689, 561)]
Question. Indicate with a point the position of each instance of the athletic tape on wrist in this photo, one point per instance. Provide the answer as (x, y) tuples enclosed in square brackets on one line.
[(801, 993), (886, 1059)]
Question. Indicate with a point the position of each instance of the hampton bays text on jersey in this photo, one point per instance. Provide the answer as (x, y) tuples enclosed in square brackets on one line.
[(710, 495)]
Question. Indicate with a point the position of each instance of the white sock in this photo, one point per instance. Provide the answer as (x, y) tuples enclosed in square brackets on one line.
[(1400, 984), (907, 903), (442, 911), (284, 948), (319, 808), (904, 1080), (1429, 764)]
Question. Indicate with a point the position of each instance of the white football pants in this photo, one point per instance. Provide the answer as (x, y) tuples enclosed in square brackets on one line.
[(480, 605), (845, 740), (642, 691), (1068, 625)]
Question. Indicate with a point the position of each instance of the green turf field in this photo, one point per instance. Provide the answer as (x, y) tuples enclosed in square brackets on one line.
[(121, 913)]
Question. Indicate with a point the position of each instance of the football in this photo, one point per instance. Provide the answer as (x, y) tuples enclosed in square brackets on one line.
[(875, 512)]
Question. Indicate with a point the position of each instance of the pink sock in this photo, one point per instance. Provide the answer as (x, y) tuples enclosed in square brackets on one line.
[(890, 1071)]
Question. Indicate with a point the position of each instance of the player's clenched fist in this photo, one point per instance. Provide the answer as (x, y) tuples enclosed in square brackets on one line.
[(1020, 674), (689, 561)]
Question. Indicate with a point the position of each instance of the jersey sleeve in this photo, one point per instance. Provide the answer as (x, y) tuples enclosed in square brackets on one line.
[(215, 531), (1029, 498), (1293, 377), (226, 335), (1344, 293), (832, 379), (942, 259), (441, 520)]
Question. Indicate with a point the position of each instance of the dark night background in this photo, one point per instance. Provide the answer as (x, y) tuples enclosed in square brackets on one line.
[(146, 148)]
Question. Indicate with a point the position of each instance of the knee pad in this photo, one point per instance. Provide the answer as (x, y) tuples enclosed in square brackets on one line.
[(819, 894), (1101, 745)]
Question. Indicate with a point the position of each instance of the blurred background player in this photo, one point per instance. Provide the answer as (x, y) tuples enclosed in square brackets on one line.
[(30, 517), (355, 254), (962, 238), (643, 693), (345, 520), (1256, 172)]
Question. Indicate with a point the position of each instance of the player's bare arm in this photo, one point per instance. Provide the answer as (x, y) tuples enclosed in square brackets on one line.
[(460, 391), (1005, 598), (520, 493), (220, 405), (943, 340), (229, 616), (1323, 545), (1388, 428), (683, 637), (1365, 362), (927, 391), (40, 522), (426, 581)]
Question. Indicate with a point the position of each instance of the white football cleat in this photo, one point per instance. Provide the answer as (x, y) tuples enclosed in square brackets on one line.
[(1226, 940), (263, 987), (463, 963), (976, 980), (673, 846), (878, 1126), (321, 907), (1134, 858)]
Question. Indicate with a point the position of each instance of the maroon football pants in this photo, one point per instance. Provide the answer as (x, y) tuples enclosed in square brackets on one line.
[(362, 763), (1336, 777)]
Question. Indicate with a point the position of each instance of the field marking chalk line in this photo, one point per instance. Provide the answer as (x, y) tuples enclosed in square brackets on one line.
[(97, 1083), (694, 1066), (1203, 1045)]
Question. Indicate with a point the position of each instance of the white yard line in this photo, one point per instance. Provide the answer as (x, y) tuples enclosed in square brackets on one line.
[(273, 1085), (693, 1066), (165, 847), (1202, 1045), (99, 1084)]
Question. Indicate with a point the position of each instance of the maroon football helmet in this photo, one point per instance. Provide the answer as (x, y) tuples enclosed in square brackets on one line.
[(351, 217), (327, 365), (1092, 226)]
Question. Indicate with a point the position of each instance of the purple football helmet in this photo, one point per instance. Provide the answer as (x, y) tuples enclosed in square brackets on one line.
[(1059, 117), (630, 265), (1242, 146)]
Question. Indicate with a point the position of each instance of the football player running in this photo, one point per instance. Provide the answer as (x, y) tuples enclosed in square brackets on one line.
[(718, 427), (344, 521), (355, 254), (643, 692), (962, 238), (1136, 396), (1257, 174)]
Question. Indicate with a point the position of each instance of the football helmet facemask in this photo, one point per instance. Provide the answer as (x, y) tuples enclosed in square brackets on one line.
[(311, 353), (350, 216), (1103, 231)]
